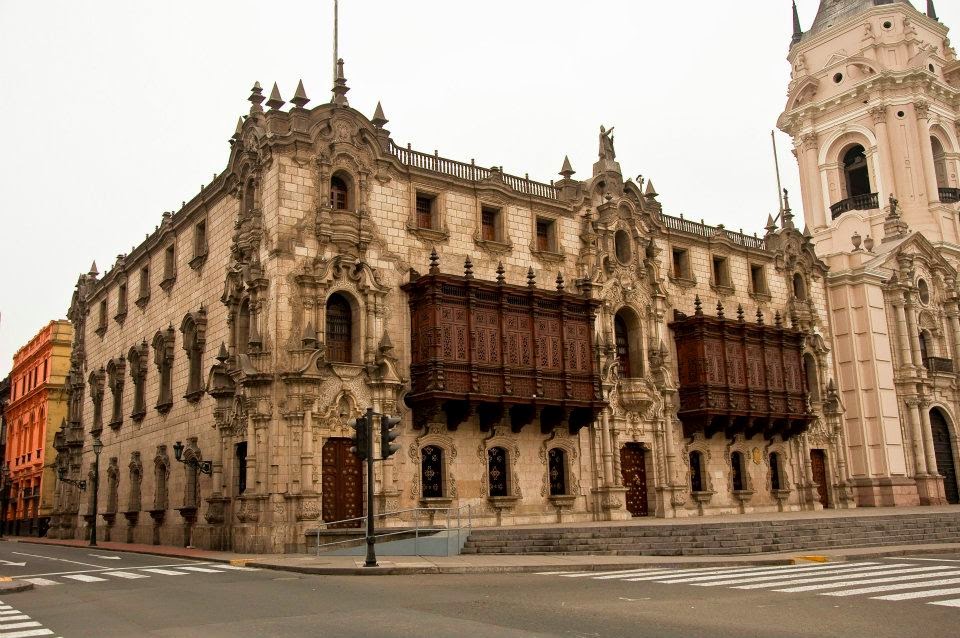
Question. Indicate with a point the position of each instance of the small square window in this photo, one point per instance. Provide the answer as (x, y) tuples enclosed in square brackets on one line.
[(426, 211), (758, 279), (546, 235), (721, 273), (681, 263), (490, 223)]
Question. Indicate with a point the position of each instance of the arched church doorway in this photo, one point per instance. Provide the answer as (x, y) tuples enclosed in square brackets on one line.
[(943, 450), (633, 464), (342, 483), (818, 463)]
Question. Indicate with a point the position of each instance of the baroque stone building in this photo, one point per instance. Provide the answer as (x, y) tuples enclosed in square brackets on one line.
[(873, 110), (36, 406)]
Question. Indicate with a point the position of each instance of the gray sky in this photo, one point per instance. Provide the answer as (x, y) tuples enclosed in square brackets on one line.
[(119, 110)]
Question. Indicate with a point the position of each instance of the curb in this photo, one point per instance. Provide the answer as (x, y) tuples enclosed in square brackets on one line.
[(10, 586), (214, 559)]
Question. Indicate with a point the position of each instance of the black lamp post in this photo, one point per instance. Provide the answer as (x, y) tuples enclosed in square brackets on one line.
[(97, 449), (204, 467), (4, 496), (62, 475)]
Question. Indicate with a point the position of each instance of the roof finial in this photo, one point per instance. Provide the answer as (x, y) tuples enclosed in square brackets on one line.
[(340, 87), (771, 226), (300, 98), (379, 119), (740, 313), (500, 274), (932, 10), (720, 310), (434, 262), (275, 102), (93, 269), (560, 283), (567, 169), (256, 99), (531, 278), (759, 317), (797, 30), (697, 306), (787, 213), (651, 192), (468, 268)]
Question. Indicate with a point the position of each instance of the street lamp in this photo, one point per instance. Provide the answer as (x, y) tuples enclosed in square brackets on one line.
[(204, 467), (5, 476), (62, 475), (97, 449)]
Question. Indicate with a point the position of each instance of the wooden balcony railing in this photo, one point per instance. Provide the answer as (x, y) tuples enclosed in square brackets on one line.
[(939, 364), (857, 202), (949, 195)]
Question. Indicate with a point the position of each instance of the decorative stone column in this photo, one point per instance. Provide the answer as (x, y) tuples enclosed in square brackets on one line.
[(916, 436), (914, 334), (906, 356), (887, 187), (926, 151), (814, 190), (931, 488)]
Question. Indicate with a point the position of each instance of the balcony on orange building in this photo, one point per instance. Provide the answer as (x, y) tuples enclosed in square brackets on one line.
[(500, 351), (740, 377)]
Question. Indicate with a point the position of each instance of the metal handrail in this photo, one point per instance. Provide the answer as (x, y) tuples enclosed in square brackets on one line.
[(326, 525)]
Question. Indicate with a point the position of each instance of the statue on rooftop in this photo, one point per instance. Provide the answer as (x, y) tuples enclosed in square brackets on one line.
[(606, 144)]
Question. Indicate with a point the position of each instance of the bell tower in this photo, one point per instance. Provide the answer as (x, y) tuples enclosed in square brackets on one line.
[(872, 107), (872, 111)]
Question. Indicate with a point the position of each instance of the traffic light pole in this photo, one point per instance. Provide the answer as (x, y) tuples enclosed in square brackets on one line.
[(371, 551)]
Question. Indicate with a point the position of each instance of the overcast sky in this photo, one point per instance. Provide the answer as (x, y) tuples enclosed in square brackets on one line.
[(118, 110)]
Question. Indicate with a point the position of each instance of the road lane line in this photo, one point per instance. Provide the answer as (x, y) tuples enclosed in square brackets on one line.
[(128, 575), (929, 573), (947, 603), (62, 560), (164, 572), (110, 569), (882, 588), (627, 574), (202, 570), (773, 574), (84, 578), (820, 579)]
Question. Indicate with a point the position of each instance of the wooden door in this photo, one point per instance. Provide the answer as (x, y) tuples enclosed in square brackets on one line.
[(342, 483), (818, 460), (943, 448), (634, 469)]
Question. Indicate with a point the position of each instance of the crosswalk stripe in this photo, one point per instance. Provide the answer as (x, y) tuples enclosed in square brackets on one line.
[(773, 575), (7, 619), (127, 575), (5, 607), (947, 603), (39, 582), (882, 588), (927, 574), (28, 633), (164, 572), (202, 570), (876, 571), (913, 595), (626, 574), (9, 612), (85, 578), (554, 573), (18, 625), (755, 570), (238, 568)]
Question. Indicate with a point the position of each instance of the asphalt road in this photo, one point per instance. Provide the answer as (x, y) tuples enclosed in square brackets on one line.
[(85, 597)]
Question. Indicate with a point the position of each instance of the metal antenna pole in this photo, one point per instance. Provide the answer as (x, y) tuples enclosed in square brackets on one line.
[(336, 35), (776, 164), (371, 551)]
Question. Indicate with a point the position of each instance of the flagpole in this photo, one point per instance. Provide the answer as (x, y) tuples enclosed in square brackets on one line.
[(776, 164), (336, 43)]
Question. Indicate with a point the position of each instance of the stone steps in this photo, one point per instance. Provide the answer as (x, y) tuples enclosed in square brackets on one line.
[(719, 539)]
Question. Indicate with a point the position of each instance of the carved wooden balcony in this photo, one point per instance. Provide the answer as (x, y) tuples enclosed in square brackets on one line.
[(740, 377), (502, 352)]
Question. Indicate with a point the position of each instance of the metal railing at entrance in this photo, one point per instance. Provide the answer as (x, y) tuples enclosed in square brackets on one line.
[(456, 525)]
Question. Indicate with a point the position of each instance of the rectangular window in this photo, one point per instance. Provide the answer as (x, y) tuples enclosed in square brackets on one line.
[(426, 205), (241, 449), (103, 314), (490, 223), (545, 235), (144, 282), (721, 276), (681, 264), (758, 279), (122, 299), (168, 262), (200, 239)]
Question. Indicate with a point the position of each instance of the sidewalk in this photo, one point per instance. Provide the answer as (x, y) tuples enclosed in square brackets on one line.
[(489, 564)]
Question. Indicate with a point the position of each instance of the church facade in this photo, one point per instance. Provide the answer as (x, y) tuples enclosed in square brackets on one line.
[(563, 351)]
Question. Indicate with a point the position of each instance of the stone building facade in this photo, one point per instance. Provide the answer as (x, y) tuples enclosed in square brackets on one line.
[(35, 409), (873, 111), (256, 323)]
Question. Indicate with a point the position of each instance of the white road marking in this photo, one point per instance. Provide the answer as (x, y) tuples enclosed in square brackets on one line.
[(9, 612), (18, 625), (820, 579), (728, 570), (947, 603), (913, 595), (774, 575), (938, 560), (625, 574), (164, 572), (104, 557), (128, 575), (553, 573), (784, 580), (13, 619), (781, 570), (202, 570), (85, 578), (12, 564), (882, 588), (29, 633), (62, 560), (39, 582), (929, 572), (235, 567), (101, 569)]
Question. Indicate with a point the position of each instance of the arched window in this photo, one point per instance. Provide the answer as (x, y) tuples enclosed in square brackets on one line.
[(113, 480), (137, 360), (136, 477), (811, 371), (622, 246), (926, 347), (738, 469), (194, 329), (339, 193), (249, 192), (339, 329), (497, 472), (855, 171), (163, 359), (623, 345), (775, 471), (923, 291), (799, 287), (160, 471), (696, 471), (940, 163), (243, 327), (115, 373), (557, 467), (431, 471)]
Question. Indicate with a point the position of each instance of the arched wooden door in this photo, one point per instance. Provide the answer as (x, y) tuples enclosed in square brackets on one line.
[(943, 448), (634, 468), (342, 483), (818, 460)]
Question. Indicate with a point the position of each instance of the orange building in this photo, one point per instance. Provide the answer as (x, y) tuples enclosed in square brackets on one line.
[(37, 405)]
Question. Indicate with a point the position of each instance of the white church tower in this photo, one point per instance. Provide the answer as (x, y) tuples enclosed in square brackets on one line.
[(874, 111)]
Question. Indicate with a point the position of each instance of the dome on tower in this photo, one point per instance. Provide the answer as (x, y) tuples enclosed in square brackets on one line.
[(833, 12)]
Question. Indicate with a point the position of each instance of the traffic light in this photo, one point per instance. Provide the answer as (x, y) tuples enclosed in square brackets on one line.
[(360, 438), (389, 431)]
